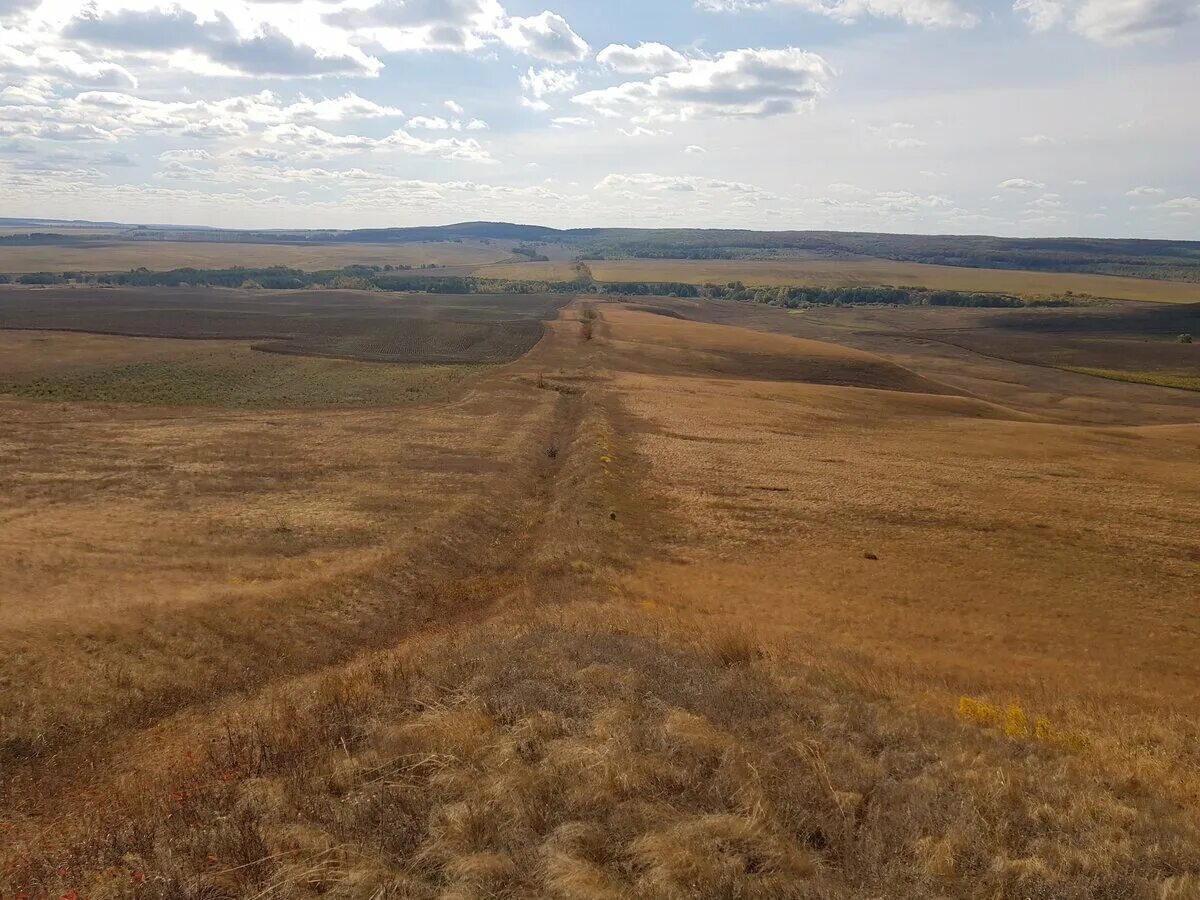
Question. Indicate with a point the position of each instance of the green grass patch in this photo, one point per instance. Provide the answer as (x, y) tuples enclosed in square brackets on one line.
[(244, 379), (1161, 379)]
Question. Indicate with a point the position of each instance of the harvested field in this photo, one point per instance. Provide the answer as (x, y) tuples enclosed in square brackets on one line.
[(117, 255), (1027, 359), (860, 271), (419, 328), (70, 368), (711, 350), (684, 609), (1126, 335)]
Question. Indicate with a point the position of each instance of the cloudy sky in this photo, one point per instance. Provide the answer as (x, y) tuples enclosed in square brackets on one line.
[(1030, 118)]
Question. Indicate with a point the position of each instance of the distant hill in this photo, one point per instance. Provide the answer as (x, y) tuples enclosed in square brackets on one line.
[(1161, 259), (6, 222)]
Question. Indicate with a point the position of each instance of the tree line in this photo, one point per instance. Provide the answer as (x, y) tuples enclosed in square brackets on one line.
[(396, 279)]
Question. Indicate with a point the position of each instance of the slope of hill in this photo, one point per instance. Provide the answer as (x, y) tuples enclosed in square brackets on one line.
[(1160, 259)]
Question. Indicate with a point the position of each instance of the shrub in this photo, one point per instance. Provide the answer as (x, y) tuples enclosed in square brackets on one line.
[(1185, 339), (42, 278)]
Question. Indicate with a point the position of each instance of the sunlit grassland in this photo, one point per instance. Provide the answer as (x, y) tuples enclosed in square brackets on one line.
[(118, 255), (1162, 379)]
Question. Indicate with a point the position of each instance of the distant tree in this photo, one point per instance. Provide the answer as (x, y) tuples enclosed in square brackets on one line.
[(1185, 339)]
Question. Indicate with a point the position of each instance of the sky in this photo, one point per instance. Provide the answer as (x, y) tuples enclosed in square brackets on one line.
[(1033, 118)]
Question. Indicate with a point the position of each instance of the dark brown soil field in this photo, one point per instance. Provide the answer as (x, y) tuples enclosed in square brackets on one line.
[(411, 328), (1143, 336)]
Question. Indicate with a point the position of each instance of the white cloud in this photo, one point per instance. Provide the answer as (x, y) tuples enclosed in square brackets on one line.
[(261, 118), (1185, 204), (860, 205), (55, 62), (1145, 191), (1047, 201), (13, 7), (694, 150), (1110, 21), (1038, 140), (571, 122), (643, 183), (908, 143), (318, 143), (1042, 15), (465, 26), (430, 123), (540, 82), (926, 13), (1020, 184), (642, 131), (398, 25), (644, 59), (546, 36), (194, 154), (265, 50), (454, 107), (737, 83), (339, 109)]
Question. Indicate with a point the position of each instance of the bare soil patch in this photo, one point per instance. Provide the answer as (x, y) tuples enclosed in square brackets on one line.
[(415, 328)]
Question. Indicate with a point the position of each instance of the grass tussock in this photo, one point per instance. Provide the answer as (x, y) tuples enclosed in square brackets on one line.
[(602, 752)]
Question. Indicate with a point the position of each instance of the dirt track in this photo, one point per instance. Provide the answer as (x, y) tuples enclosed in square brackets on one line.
[(828, 496)]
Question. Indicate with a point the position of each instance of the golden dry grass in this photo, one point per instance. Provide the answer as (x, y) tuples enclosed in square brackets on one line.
[(119, 256), (716, 645), (1183, 381), (862, 271), (193, 524)]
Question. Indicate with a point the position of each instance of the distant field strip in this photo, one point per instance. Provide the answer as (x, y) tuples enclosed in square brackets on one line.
[(120, 256), (849, 272), (1162, 379)]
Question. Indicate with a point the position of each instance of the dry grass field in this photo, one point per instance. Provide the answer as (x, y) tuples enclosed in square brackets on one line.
[(118, 255), (1040, 361), (59, 367), (666, 608), (860, 271)]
